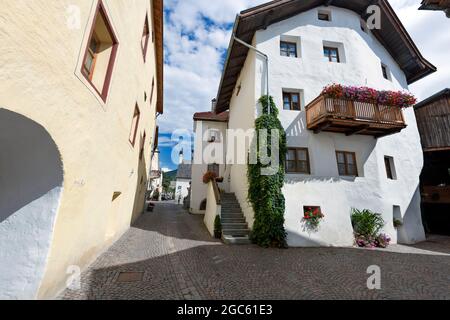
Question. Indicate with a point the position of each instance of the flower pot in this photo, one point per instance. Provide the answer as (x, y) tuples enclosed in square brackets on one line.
[(217, 234)]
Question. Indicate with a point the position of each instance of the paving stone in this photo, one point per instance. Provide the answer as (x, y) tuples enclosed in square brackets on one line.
[(181, 261)]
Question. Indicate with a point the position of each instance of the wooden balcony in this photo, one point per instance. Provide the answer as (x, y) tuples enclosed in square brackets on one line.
[(353, 117)]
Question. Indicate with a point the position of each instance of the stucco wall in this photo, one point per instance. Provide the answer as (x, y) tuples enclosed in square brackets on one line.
[(40, 59), (242, 117), (31, 179), (182, 189), (207, 153), (310, 73), (212, 209)]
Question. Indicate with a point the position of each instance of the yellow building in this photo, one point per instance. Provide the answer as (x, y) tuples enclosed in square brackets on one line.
[(80, 90)]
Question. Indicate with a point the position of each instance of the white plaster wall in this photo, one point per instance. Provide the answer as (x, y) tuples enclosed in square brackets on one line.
[(242, 117), (204, 155), (212, 209), (184, 190), (31, 178), (40, 77), (310, 73)]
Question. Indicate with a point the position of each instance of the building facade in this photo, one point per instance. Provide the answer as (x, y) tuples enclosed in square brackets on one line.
[(433, 118), (337, 165), (81, 86), (210, 132)]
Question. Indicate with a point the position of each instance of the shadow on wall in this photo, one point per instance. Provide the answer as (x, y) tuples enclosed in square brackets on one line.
[(31, 179), (141, 185), (412, 230)]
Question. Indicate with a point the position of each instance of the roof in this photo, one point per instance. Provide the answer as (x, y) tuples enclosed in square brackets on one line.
[(441, 94), (158, 20), (211, 116), (184, 171), (393, 36), (435, 5)]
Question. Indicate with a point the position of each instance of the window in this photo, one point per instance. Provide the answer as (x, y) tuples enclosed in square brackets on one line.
[(324, 15), (346, 162), (291, 101), (385, 71), (390, 168), (297, 161), (100, 53), (288, 49), (214, 168), (141, 152), (214, 135), (145, 37), (331, 54), (134, 125), (92, 51)]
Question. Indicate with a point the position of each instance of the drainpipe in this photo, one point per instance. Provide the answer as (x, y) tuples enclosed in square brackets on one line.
[(266, 58)]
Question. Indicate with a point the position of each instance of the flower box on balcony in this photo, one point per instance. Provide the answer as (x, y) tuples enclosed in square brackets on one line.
[(351, 110)]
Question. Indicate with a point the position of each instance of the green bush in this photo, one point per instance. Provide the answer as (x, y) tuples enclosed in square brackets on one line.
[(264, 191), (367, 223), (217, 224)]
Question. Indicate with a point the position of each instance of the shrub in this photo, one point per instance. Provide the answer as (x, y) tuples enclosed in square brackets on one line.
[(217, 224), (209, 176), (264, 192), (367, 226), (366, 222), (217, 228)]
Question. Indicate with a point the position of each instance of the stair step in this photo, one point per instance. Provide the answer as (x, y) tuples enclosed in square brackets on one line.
[(236, 232), (236, 240), (232, 215), (235, 226), (233, 220)]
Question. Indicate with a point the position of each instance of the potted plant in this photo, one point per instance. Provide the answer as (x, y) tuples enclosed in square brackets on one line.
[(209, 176), (397, 223), (312, 217), (217, 228)]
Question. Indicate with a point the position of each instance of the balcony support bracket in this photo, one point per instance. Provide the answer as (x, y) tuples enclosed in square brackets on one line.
[(358, 129)]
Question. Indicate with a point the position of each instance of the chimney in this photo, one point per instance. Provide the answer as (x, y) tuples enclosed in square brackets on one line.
[(213, 105)]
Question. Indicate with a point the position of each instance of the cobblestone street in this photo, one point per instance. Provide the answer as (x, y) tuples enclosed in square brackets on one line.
[(171, 256)]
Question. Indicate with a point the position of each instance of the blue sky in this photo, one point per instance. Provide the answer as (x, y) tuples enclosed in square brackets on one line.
[(197, 33)]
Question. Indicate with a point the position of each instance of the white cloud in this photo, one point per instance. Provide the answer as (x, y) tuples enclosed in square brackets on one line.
[(197, 34)]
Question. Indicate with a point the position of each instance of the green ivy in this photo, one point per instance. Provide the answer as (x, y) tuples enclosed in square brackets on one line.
[(265, 191)]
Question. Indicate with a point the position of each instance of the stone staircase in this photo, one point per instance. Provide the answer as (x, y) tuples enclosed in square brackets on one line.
[(234, 227)]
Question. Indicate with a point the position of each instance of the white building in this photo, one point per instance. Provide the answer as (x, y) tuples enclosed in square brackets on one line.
[(335, 165), (183, 182), (210, 135)]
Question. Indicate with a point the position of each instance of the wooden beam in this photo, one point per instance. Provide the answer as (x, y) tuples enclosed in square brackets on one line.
[(322, 127), (357, 130)]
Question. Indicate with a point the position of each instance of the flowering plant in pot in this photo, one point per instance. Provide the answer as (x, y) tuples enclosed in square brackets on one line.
[(312, 217), (397, 99), (209, 176)]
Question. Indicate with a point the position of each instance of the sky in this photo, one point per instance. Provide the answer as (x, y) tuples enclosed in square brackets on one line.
[(196, 38)]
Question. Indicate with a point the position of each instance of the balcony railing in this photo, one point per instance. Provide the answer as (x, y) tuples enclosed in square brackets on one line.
[(353, 117)]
